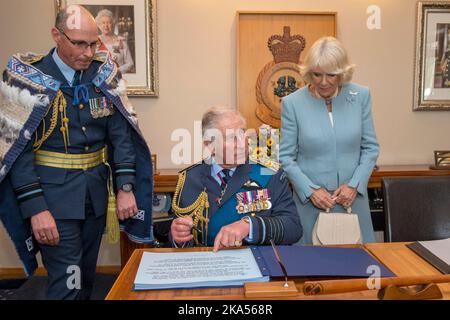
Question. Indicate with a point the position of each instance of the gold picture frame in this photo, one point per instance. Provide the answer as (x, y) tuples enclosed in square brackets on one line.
[(142, 26), (432, 57), (154, 166), (441, 160)]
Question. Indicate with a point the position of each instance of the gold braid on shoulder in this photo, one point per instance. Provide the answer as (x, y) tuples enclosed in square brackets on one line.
[(59, 105), (198, 210)]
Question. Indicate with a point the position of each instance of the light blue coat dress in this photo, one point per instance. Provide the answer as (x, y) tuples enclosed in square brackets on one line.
[(316, 154)]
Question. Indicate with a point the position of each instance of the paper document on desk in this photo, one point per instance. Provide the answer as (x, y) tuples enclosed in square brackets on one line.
[(171, 270), (436, 252)]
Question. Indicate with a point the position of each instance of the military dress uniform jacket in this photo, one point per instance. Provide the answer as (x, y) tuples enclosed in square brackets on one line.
[(63, 191), (280, 222), (28, 188)]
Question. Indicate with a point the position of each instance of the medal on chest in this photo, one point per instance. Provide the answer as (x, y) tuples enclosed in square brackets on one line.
[(101, 107), (253, 201)]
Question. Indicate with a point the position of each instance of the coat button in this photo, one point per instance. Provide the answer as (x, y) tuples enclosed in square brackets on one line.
[(81, 106), (84, 129), (86, 148)]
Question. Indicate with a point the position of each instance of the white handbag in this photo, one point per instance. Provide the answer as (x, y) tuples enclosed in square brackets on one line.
[(337, 228)]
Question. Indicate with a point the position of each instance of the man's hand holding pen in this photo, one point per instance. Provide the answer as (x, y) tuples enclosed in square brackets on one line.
[(181, 229), (229, 236)]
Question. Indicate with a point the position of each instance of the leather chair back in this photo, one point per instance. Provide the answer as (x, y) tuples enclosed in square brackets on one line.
[(416, 208)]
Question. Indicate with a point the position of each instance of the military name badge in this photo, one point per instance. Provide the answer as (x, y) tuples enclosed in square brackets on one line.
[(253, 201), (101, 107)]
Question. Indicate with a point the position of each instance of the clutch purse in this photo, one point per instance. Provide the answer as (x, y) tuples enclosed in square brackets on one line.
[(337, 228)]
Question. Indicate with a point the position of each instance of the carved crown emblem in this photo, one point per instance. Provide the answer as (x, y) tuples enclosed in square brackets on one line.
[(286, 48)]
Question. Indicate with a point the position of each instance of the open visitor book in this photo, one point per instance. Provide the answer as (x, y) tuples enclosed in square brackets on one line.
[(171, 270)]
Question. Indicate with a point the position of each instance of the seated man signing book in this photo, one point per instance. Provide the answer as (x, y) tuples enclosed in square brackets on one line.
[(225, 200)]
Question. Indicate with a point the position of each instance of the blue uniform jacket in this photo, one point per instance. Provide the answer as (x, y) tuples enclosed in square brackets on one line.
[(281, 222), (27, 189)]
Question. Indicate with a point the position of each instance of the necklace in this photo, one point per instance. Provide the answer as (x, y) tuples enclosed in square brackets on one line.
[(329, 104)]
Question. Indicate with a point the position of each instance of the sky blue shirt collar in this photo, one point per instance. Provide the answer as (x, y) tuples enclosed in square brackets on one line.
[(216, 168), (67, 71)]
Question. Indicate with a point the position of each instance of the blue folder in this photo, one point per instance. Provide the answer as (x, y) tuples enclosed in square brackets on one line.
[(311, 261)]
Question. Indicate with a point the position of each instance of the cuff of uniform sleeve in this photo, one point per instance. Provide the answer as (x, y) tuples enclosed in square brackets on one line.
[(121, 180), (257, 227), (31, 199), (33, 206), (124, 173), (249, 238)]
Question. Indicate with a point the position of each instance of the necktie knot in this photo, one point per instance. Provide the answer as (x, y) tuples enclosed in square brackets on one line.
[(224, 176), (76, 78)]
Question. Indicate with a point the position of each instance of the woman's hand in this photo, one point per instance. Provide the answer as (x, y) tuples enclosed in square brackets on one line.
[(345, 195), (322, 199)]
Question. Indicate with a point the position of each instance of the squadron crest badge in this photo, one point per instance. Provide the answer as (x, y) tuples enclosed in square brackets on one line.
[(279, 77)]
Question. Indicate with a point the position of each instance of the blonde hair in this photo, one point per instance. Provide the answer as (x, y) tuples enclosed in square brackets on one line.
[(328, 54)]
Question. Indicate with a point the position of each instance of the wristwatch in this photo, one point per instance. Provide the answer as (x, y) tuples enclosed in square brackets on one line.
[(127, 187)]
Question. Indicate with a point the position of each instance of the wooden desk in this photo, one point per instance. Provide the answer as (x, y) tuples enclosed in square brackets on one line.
[(166, 180), (403, 171), (396, 256)]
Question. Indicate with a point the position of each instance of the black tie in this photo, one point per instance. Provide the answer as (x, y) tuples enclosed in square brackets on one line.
[(225, 178), (76, 79)]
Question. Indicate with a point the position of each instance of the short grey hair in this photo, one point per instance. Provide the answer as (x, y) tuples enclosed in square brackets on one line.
[(61, 19), (213, 115), (330, 55), (104, 13)]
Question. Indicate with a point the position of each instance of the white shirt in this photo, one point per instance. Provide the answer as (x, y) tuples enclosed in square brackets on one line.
[(330, 114)]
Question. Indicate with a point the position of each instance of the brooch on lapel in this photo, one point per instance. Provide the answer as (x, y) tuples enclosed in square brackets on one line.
[(352, 95)]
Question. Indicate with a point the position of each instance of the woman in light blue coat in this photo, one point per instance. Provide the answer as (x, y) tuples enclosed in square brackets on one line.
[(328, 143)]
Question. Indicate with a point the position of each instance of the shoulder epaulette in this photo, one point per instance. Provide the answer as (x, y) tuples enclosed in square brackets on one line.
[(99, 58), (31, 57), (190, 167), (266, 162)]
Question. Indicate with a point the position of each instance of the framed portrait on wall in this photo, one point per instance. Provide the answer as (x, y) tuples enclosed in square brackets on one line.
[(127, 33), (432, 60)]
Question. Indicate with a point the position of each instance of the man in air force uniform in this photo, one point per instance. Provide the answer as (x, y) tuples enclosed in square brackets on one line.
[(71, 152), (225, 200)]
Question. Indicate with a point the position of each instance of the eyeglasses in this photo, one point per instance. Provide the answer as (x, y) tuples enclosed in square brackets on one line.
[(82, 45)]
